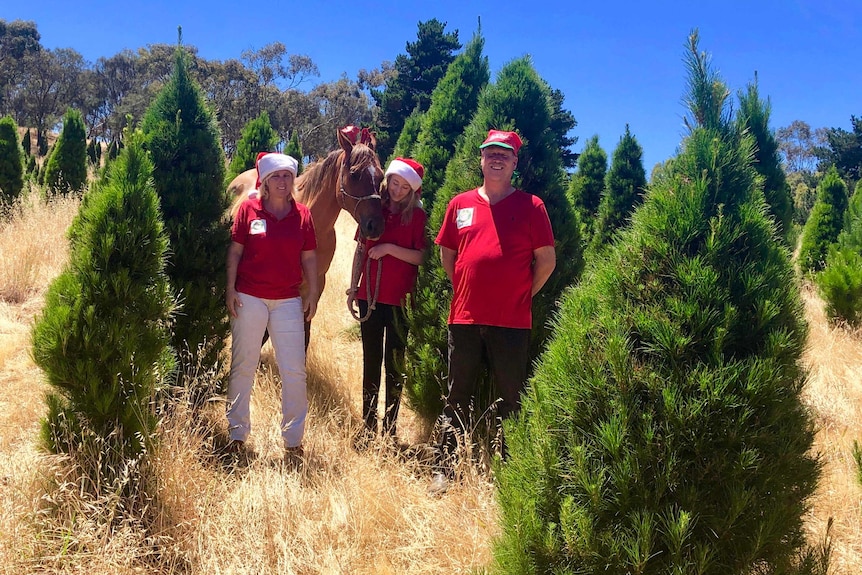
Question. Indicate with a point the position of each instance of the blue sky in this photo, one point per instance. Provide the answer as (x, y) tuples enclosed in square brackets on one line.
[(617, 63)]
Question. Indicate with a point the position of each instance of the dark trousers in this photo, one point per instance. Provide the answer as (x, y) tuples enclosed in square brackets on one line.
[(384, 339), (507, 354)]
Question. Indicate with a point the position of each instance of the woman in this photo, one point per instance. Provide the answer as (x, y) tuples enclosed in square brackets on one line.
[(272, 249), (399, 251)]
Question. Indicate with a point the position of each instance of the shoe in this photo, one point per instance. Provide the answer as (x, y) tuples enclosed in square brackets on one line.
[(439, 484), (235, 447), (294, 456)]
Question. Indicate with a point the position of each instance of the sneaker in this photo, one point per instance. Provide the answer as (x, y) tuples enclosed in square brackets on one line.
[(439, 484)]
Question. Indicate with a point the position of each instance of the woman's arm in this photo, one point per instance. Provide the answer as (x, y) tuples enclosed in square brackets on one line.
[(309, 272), (234, 254)]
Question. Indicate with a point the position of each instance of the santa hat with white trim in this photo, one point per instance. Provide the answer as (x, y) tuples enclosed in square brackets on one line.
[(269, 162), (409, 169)]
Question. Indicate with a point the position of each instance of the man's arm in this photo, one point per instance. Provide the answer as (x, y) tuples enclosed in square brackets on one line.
[(447, 259), (544, 262)]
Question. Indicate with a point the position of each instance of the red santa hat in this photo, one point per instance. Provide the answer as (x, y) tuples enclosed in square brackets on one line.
[(269, 162), (410, 170)]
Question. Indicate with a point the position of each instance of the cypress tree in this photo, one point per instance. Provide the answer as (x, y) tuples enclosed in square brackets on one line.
[(11, 161), (663, 431), (588, 183), (753, 115), (102, 337), (66, 168), (181, 135), (825, 222), (294, 150), (25, 142), (257, 136), (92, 155), (453, 104), (625, 185), (42, 144), (520, 99)]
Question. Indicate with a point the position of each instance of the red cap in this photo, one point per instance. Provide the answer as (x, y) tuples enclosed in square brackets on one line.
[(509, 140)]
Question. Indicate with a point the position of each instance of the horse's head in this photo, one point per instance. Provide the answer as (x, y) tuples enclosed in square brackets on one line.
[(359, 183)]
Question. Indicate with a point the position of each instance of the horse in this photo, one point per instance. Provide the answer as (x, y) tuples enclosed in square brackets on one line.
[(348, 178)]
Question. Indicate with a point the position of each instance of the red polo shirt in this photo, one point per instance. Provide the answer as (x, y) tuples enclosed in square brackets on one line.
[(397, 278), (271, 264), (494, 263)]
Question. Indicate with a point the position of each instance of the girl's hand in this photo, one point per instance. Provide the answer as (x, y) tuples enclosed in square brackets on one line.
[(380, 250)]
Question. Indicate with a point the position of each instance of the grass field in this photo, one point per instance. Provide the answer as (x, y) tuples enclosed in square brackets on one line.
[(347, 511)]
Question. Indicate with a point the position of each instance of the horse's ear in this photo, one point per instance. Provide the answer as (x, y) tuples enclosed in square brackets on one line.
[(372, 141), (345, 142)]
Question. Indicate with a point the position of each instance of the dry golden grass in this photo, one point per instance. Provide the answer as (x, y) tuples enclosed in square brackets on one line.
[(345, 511), (834, 393)]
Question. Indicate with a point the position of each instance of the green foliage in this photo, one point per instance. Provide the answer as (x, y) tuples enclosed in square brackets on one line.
[(840, 285), (409, 136), (844, 150), (294, 150), (66, 168), (663, 431), (182, 137), (514, 102), (588, 183), (416, 75), (11, 161), (25, 142), (453, 104), (625, 185), (825, 222), (257, 136), (753, 115), (93, 149), (102, 338)]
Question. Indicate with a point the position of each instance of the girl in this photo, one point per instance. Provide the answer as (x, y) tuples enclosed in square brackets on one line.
[(399, 250)]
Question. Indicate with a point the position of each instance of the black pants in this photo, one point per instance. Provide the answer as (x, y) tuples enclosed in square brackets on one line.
[(507, 353), (384, 338)]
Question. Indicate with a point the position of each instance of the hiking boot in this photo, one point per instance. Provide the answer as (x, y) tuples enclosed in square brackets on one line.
[(294, 457)]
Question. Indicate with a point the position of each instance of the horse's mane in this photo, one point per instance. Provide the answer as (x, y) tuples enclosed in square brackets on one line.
[(320, 175)]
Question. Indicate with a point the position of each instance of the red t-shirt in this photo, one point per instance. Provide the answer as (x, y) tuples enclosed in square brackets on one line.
[(398, 278), (271, 264), (494, 264)]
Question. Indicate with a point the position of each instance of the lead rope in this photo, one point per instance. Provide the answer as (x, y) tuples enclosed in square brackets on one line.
[(354, 282)]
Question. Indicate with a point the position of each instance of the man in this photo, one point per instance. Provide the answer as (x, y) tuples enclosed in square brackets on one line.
[(497, 247)]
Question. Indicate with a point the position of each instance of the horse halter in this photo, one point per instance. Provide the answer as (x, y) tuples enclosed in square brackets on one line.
[(356, 199)]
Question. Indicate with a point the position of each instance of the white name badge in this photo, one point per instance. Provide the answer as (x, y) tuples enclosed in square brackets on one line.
[(464, 218), (257, 227)]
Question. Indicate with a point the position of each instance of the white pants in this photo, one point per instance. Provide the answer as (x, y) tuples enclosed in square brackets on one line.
[(284, 321)]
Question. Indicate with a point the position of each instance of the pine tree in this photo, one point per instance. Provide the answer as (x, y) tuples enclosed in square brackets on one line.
[(102, 337), (257, 136), (11, 161), (92, 154), (515, 101), (406, 142), (753, 115), (825, 222), (66, 168), (294, 150), (182, 137), (453, 104), (416, 75), (840, 283), (588, 182), (663, 431), (625, 184)]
